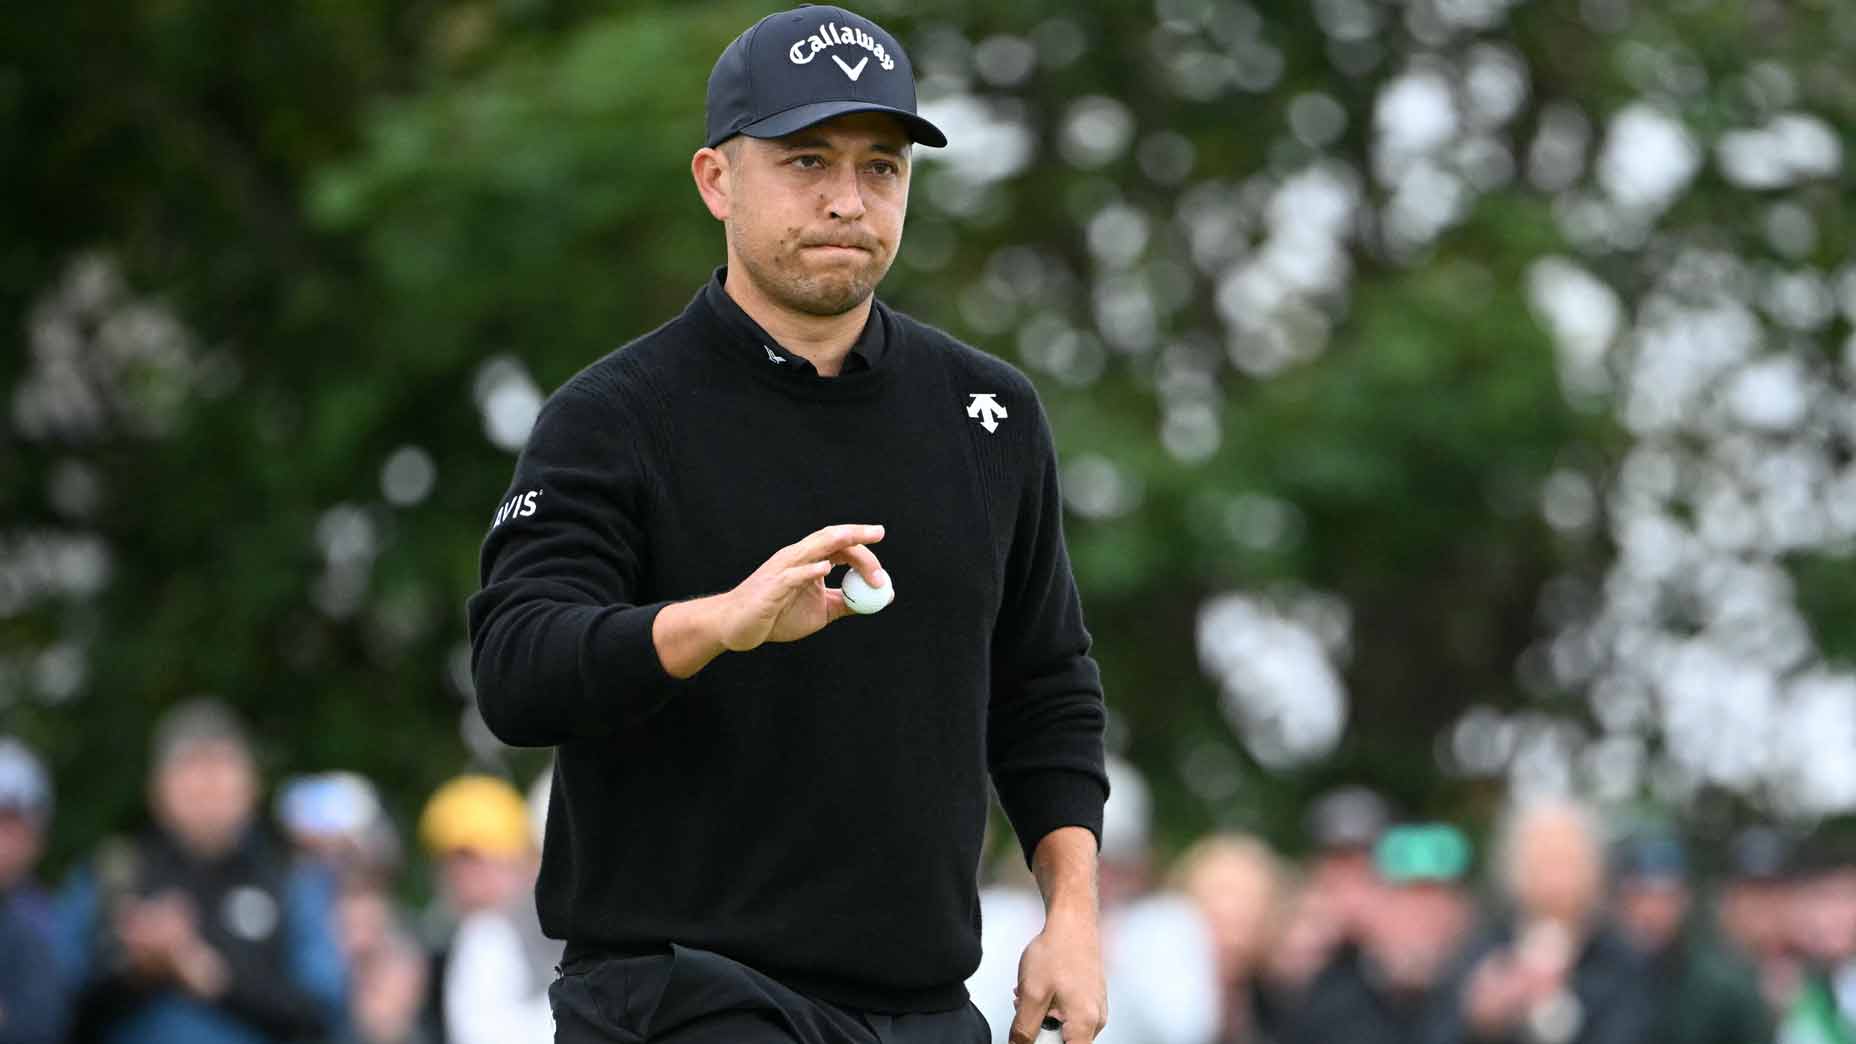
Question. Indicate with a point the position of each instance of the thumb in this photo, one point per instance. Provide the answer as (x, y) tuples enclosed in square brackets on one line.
[(1028, 1020), (836, 608)]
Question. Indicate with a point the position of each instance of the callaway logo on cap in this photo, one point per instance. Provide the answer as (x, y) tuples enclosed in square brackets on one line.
[(801, 67)]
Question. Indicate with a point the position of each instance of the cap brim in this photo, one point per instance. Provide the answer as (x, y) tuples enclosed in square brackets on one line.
[(780, 124)]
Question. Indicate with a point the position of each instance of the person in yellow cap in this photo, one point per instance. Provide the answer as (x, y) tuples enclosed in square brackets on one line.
[(494, 973), (477, 827)]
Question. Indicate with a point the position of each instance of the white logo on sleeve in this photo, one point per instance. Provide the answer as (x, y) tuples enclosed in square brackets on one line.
[(986, 409), (830, 34), (522, 505)]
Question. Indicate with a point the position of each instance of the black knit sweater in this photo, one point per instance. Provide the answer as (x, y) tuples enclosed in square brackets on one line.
[(815, 808)]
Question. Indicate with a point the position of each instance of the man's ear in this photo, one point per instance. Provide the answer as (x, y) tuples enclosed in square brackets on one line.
[(710, 169)]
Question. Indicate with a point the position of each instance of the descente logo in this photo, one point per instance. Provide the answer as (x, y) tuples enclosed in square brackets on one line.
[(522, 505), (831, 35)]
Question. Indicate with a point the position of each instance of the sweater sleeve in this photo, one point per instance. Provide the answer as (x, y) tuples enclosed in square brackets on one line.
[(560, 646), (1046, 717)]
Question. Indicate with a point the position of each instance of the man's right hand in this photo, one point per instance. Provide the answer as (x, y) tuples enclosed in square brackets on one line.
[(784, 600)]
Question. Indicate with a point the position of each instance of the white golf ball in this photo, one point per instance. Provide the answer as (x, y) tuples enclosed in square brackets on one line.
[(861, 597)]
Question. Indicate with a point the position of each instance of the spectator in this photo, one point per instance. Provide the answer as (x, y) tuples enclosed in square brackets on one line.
[(1344, 825), (33, 1000), (1553, 971), (1754, 912), (391, 972), (1388, 987), (1823, 918), (1311, 933), (1236, 882), (337, 827), (1158, 952), (1702, 994), (335, 820), (499, 964), (200, 931)]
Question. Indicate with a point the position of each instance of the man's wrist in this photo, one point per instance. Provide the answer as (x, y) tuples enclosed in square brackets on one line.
[(687, 635), (1071, 914), (1065, 866)]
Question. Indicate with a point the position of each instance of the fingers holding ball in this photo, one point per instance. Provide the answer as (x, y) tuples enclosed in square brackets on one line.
[(863, 599)]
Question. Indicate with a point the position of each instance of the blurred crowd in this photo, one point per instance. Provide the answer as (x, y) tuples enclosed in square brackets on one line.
[(1575, 931), (218, 924)]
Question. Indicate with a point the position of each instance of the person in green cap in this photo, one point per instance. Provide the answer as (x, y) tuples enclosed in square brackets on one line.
[(1385, 987)]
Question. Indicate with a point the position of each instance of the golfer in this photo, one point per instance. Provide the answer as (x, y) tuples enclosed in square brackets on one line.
[(768, 811)]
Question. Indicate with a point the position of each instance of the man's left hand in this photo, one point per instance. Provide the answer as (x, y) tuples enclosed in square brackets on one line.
[(1061, 975)]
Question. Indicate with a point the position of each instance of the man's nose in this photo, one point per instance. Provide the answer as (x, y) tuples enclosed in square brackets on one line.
[(844, 194)]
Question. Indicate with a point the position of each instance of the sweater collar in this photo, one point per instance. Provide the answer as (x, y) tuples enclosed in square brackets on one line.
[(866, 353)]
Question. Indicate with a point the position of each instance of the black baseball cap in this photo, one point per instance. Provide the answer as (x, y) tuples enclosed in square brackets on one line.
[(800, 67), (1350, 817)]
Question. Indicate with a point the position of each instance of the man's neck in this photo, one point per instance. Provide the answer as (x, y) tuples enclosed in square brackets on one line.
[(822, 340)]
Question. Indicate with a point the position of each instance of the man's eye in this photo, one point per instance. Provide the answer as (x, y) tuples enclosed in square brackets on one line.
[(885, 168), (809, 162)]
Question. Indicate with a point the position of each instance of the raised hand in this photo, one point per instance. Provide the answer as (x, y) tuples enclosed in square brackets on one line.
[(786, 598), (782, 601)]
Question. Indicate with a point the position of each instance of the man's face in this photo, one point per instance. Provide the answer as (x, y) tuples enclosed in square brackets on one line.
[(1558, 872), (205, 794), (1652, 910), (1235, 892), (1345, 878), (1753, 913), (815, 218), (476, 881), (19, 846), (1824, 916), (1413, 930)]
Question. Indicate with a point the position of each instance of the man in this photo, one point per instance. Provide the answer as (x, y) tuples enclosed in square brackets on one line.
[(1702, 994), (200, 931), (1238, 885), (1823, 924), (1386, 989), (334, 820), (1556, 971), (767, 819), (497, 966), (1755, 912), (1344, 825), (33, 1001), (389, 971)]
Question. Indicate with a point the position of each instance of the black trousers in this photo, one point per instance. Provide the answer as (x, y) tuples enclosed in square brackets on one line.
[(691, 996)]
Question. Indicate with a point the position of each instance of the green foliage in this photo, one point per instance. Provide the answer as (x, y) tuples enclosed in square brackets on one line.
[(353, 207)]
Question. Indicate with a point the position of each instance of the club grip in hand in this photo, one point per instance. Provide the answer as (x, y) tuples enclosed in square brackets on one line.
[(1051, 1032)]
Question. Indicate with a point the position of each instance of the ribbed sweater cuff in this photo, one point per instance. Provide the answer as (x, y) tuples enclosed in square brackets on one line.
[(1042, 801), (628, 664)]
